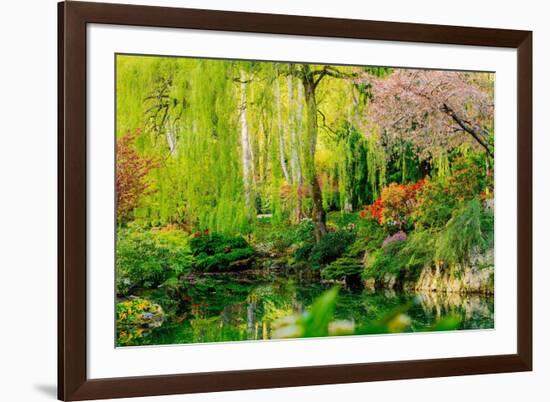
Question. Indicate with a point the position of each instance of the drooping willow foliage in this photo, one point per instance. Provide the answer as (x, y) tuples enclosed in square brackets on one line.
[(237, 140), (188, 110)]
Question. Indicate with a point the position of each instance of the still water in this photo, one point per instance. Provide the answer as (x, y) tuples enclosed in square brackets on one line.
[(221, 308)]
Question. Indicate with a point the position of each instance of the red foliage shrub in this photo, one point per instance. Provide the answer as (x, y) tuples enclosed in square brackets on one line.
[(395, 204), (373, 211), (131, 175)]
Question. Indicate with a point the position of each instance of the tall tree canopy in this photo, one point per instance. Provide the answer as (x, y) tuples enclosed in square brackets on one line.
[(235, 140)]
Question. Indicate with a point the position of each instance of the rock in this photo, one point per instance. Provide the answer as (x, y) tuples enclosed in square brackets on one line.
[(388, 281), (477, 276), (241, 264), (369, 283), (489, 203)]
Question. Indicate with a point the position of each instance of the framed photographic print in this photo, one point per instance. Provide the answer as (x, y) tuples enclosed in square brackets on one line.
[(253, 200)]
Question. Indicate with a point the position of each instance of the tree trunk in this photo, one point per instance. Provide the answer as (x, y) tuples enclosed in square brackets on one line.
[(171, 137), (295, 159), (280, 132), (318, 213), (245, 144)]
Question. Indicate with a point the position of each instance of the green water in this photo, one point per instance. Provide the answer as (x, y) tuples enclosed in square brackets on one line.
[(221, 308)]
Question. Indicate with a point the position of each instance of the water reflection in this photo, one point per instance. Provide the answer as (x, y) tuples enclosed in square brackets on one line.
[(221, 308)]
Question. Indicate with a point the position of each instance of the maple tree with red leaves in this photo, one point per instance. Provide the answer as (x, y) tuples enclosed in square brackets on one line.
[(131, 175)]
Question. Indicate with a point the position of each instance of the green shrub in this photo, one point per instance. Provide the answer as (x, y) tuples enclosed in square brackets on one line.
[(405, 258), (342, 267), (350, 264), (303, 252), (441, 196), (217, 252), (435, 205), (468, 178), (371, 233), (388, 259), (222, 261), (469, 230), (147, 258), (330, 247), (215, 244), (304, 231), (417, 252)]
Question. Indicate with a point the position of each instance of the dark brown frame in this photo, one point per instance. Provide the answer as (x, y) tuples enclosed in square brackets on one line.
[(73, 383)]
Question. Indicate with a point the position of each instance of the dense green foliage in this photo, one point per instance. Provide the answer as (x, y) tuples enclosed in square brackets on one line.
[(331, 246), (218, 252), (148, 258), (241, 185), (470, 229)]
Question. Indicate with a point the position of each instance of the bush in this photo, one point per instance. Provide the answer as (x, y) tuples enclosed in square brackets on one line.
[(343, 267), (419, 249), (405, 257), (216, 252), (216, 244), (468, 178), (140, 312), (330, 247), (304, 231), (371, 234), (386, 260), (147, 258), (440, 197), (435, 205), (470, 229), (399, 236), (394, 206), (303, 252), (398, 201)]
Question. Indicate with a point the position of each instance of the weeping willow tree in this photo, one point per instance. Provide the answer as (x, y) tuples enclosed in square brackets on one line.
[(193, 115), (238, 140)]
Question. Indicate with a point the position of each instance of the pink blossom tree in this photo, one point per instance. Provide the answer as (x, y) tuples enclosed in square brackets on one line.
[(435, 110)]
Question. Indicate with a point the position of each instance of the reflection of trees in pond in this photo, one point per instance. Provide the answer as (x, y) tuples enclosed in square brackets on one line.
[(219, 308), (267, 303), (240, 311)]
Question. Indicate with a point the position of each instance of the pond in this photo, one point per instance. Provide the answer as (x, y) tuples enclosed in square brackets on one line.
[(218, 308)]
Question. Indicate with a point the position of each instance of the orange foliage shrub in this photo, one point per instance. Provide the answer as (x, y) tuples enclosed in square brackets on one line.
[(395, 204)]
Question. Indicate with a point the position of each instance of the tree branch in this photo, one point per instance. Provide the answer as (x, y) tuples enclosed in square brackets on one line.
[(325, 126), (332, 72), (467, 127)]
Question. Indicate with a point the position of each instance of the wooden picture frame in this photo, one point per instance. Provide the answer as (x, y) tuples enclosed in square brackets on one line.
[(73, 382)]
